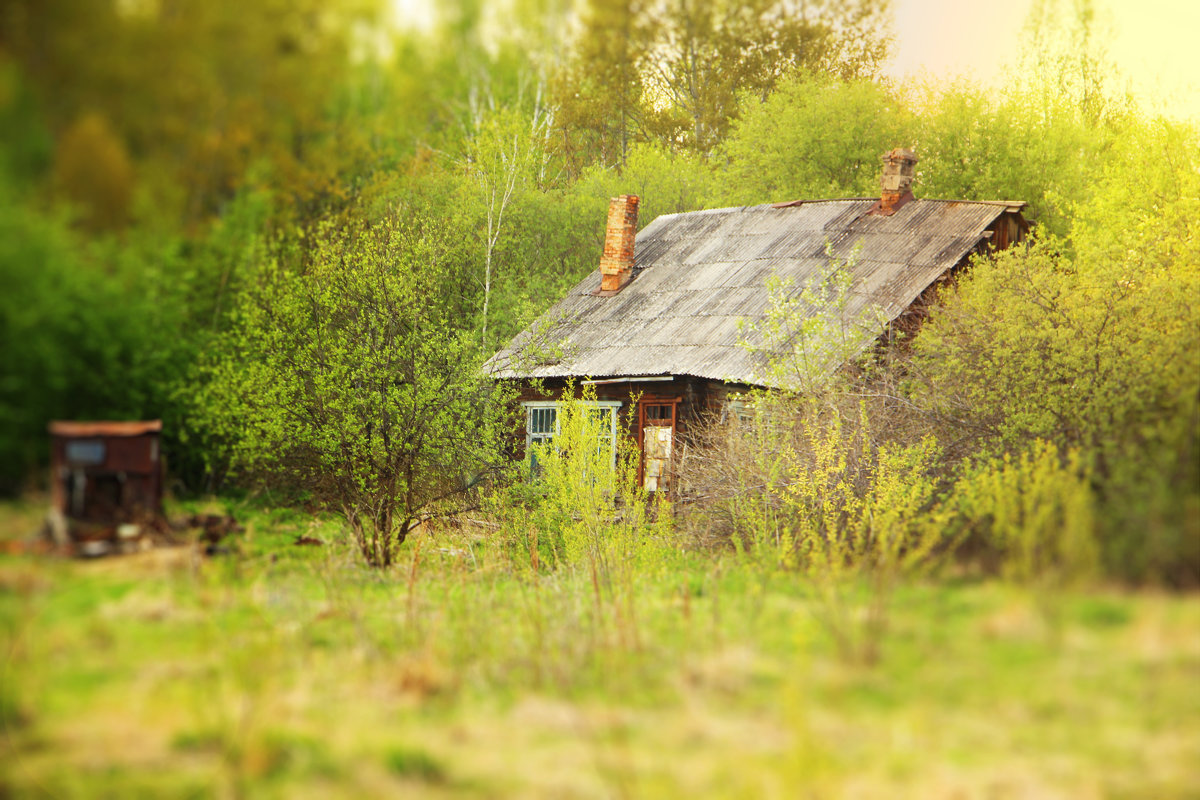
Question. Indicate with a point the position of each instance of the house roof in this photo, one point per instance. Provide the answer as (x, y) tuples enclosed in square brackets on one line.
[(700, 276), (71, 429)]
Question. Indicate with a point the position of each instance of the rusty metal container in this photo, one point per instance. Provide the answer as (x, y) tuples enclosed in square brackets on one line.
[(106, 472)]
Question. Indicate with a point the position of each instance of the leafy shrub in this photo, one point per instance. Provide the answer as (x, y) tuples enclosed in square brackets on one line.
[(585, 505), (352, 380), (816, 488), (585, 514), (1036, 512), (1092, 354)]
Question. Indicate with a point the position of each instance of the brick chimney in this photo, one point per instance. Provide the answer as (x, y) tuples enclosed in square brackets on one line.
[(899, 166), (616, 265)]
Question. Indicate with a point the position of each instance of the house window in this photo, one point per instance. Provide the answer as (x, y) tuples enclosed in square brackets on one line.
[(740, 411), (752, 415), (85, 452), (542, 425)]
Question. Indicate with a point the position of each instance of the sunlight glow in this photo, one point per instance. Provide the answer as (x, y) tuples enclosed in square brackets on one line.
[(1150, 41)]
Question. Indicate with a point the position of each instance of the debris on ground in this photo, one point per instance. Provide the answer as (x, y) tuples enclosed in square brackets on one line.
[(214, 530), (72, 538)]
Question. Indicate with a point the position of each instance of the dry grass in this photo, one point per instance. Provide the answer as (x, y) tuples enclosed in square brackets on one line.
[(294, 672)]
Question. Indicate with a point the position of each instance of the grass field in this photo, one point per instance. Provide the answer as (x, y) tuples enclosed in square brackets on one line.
[(286, 671)]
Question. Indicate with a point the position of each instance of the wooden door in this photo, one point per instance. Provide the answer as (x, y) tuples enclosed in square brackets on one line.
[(657, 429)]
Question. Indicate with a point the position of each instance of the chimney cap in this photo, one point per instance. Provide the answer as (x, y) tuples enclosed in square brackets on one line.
[(900, 154), (896, 180)]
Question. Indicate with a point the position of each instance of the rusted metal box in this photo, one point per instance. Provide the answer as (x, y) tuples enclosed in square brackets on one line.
[(106, 472)]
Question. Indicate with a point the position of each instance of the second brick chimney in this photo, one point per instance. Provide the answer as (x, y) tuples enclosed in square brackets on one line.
[(899, 167), (616, 265)]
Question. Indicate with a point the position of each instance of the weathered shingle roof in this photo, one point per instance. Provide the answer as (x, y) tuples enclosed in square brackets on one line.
[(698, 275)]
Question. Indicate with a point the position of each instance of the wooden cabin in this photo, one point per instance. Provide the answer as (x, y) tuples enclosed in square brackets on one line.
[(664, 318)]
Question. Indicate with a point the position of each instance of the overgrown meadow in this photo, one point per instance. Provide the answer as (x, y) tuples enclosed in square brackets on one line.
[(466, 671), (574, 638)]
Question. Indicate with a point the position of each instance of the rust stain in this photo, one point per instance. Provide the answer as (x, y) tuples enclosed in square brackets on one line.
[(71, 429)]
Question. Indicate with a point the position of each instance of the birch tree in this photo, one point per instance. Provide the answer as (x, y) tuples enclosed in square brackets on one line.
[(505, 151)]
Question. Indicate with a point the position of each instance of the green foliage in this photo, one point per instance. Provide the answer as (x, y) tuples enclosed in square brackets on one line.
[(553, 243), (416, 764), (188, 140), (350, 379), (859, 538), (812, 476), (1143, 214), (93, 171), (677, 73), (666, 182), (301, 668), (586, 501), (1089, 345), (91, 330), (201, 92), (598, 92), (1046, 138), (709, 52), (1096, 355), (1065, 62), (813, 484), (585, 515), (977, 146), (813, 138), (1037, 512), (27, 148), (808, 333), (505, 152)]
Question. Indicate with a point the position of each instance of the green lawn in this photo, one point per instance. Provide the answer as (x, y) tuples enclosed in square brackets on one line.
[(296, 672)]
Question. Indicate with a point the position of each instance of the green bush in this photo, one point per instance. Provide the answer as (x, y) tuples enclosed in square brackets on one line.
[(1035, 513)]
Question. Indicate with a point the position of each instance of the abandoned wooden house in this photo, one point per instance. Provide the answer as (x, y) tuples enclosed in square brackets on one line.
[(665, 321)]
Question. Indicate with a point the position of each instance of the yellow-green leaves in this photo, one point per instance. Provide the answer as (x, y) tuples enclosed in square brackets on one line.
[(1037, 509), (353, 381), (809, 332)]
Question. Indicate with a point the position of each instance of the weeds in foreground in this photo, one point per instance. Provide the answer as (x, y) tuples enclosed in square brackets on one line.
[(586, 516), (852, 516), (302, 671), (831, 491)]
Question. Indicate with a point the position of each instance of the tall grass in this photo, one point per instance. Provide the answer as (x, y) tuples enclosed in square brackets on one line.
[(585, 516), (813, 491), (466, 670)]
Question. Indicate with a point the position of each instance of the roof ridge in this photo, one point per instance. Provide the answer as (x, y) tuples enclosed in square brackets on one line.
[(1020, 203)]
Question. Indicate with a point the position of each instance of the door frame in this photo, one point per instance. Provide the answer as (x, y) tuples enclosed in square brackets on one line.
[(656, 400)]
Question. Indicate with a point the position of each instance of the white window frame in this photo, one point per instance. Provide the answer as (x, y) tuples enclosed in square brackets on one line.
[(531, 438), (744, 413), (739, 411)]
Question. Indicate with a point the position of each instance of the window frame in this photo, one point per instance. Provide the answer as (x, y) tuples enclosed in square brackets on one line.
[(530, 406), (91, 452)]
